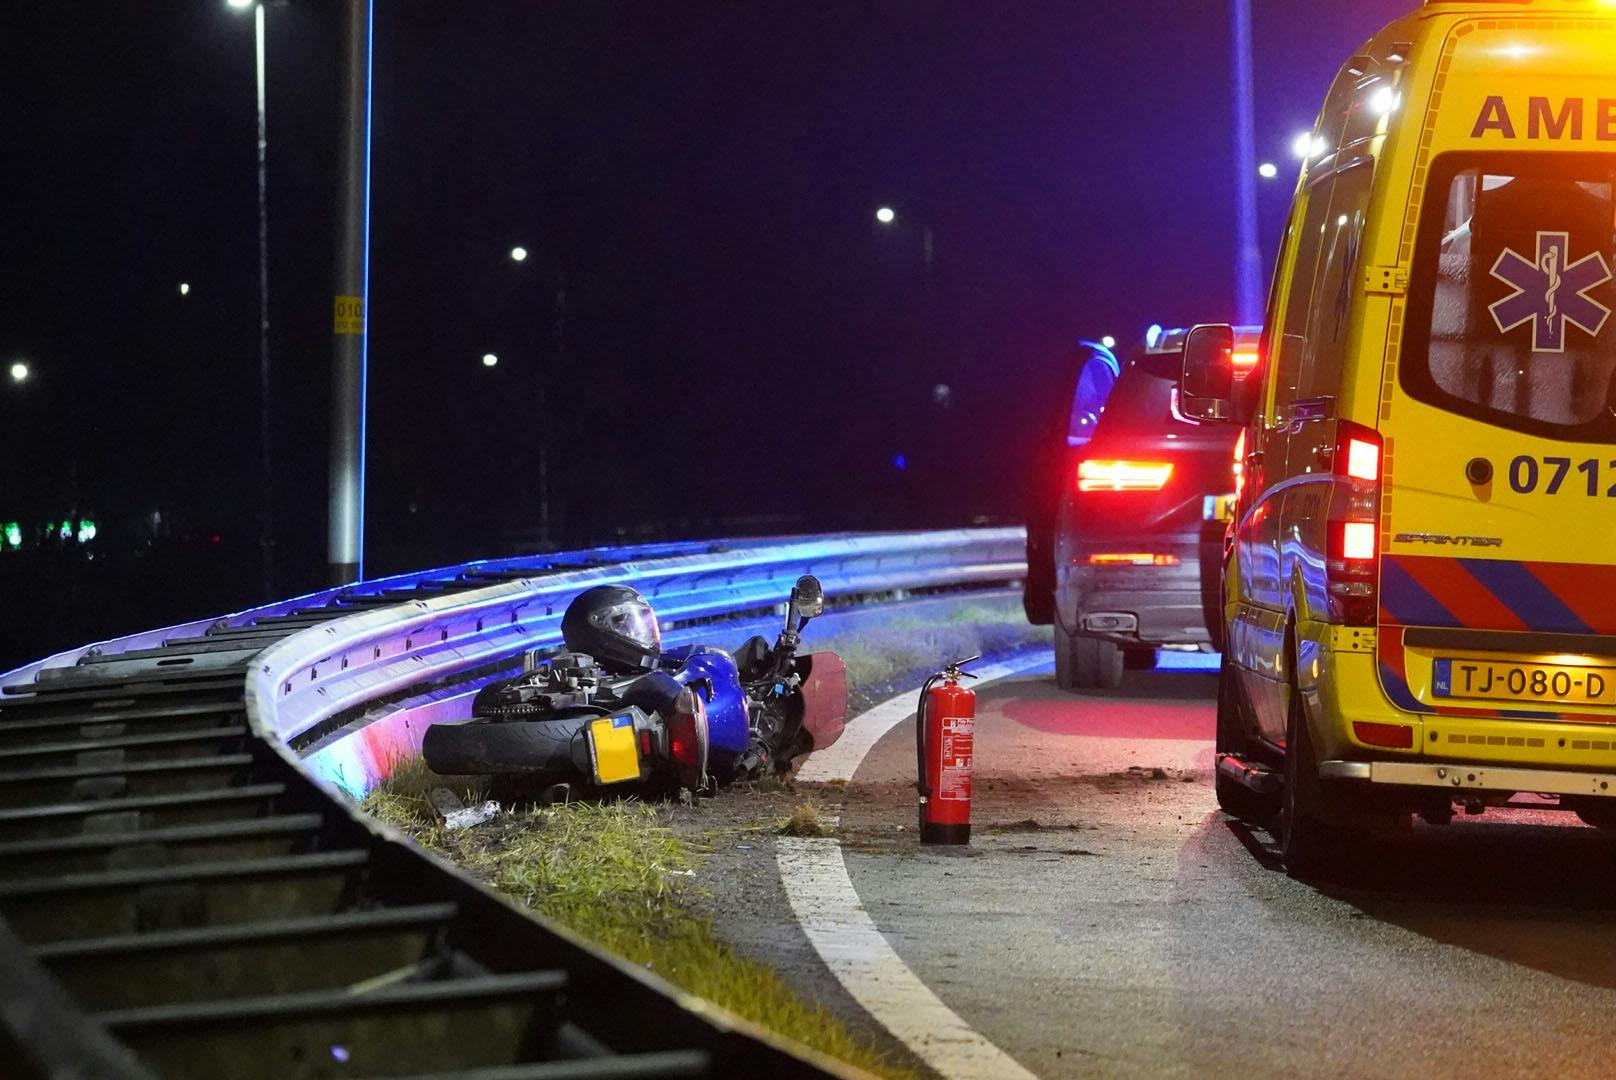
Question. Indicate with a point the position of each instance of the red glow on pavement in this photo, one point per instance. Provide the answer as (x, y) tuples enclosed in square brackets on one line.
[(1115, 718)]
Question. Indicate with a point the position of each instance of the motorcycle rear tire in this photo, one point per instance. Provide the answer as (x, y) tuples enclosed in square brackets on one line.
[(529, 747)]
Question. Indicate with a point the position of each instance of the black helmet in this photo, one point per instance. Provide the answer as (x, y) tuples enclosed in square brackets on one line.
[(615, 625)]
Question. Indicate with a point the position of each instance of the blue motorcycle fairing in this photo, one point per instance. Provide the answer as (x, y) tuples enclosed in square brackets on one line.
[(729, 725)]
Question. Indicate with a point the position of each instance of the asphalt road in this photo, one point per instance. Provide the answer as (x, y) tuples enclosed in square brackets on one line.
[(1108, 920)]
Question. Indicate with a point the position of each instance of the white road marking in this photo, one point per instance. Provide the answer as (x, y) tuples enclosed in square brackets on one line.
[(846, 938)]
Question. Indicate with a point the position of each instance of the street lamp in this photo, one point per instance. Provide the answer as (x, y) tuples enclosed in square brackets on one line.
[(1268, 170), (19, 372)]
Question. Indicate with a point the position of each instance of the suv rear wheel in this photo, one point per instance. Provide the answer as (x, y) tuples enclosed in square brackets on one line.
[(1086, 663)]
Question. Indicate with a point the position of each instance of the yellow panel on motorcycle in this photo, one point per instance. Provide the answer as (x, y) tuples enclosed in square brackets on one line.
[(613, 749)]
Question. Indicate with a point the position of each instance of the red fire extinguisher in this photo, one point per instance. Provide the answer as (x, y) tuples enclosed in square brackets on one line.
[(945, 724)]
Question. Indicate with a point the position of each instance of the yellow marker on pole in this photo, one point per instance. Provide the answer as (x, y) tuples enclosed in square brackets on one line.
[(349, 315)]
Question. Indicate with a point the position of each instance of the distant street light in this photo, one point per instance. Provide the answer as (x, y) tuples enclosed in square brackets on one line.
[(1108, 341), (19, 372), (489, 359), (518, 254), (1268, 170), (886, 215), (185, 288)]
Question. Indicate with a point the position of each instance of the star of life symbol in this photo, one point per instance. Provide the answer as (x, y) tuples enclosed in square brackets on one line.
[(1551, 292)]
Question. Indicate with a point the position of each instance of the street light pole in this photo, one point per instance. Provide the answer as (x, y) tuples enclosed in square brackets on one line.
[(928, 249), (887, 216), (265, 502), (346, 550), (1248, 254), (557, 365), (543, 375), (266, 549)]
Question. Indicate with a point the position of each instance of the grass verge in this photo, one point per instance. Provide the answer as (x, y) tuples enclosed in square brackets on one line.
[(615, 873), (894, 654)]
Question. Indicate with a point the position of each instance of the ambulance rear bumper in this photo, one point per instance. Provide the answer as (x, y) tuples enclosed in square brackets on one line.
[(1463, 777)]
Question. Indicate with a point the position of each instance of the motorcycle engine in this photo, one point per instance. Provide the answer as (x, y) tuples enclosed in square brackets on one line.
[(553, 683)]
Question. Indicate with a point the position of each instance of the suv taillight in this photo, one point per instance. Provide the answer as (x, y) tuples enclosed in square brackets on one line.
[(1352, 564), (1123, 475)]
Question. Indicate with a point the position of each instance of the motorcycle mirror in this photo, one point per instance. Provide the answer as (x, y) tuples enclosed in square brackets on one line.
[(809, 597)]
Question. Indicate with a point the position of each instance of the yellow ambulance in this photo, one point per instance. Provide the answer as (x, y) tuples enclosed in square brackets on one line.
[(1420, 588)]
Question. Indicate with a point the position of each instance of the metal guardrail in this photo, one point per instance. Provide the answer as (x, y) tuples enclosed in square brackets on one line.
[(304, 682), (169, 864)]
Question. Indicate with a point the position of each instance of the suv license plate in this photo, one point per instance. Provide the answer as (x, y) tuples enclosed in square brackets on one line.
[(1494, 681), (1217, 507)]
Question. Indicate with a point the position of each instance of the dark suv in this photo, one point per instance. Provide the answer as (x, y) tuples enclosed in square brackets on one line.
[(1130, 541)]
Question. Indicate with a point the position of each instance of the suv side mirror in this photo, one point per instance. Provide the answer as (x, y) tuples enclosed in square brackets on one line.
[(1206, 384)]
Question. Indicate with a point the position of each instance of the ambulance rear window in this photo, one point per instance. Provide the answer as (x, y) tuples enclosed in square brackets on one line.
[(1511, 298)]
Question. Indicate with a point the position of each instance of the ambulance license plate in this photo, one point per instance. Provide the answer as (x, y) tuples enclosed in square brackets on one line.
[(614, 750), (1491, 680)]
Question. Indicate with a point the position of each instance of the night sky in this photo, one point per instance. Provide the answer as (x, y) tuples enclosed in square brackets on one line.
[(741, 344)]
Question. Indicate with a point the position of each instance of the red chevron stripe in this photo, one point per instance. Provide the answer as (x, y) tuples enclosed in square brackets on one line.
[(1587, 589), (1469, 714), (1587, 718), (1471, 602)]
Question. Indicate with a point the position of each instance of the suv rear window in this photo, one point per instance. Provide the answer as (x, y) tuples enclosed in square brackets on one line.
[(1511, 298)]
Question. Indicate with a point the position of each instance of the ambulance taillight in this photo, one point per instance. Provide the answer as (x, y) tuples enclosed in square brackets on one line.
[(1240, 464), (1352, 565)]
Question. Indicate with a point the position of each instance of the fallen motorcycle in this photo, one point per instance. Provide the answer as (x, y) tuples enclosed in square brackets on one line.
[(611, 707)]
